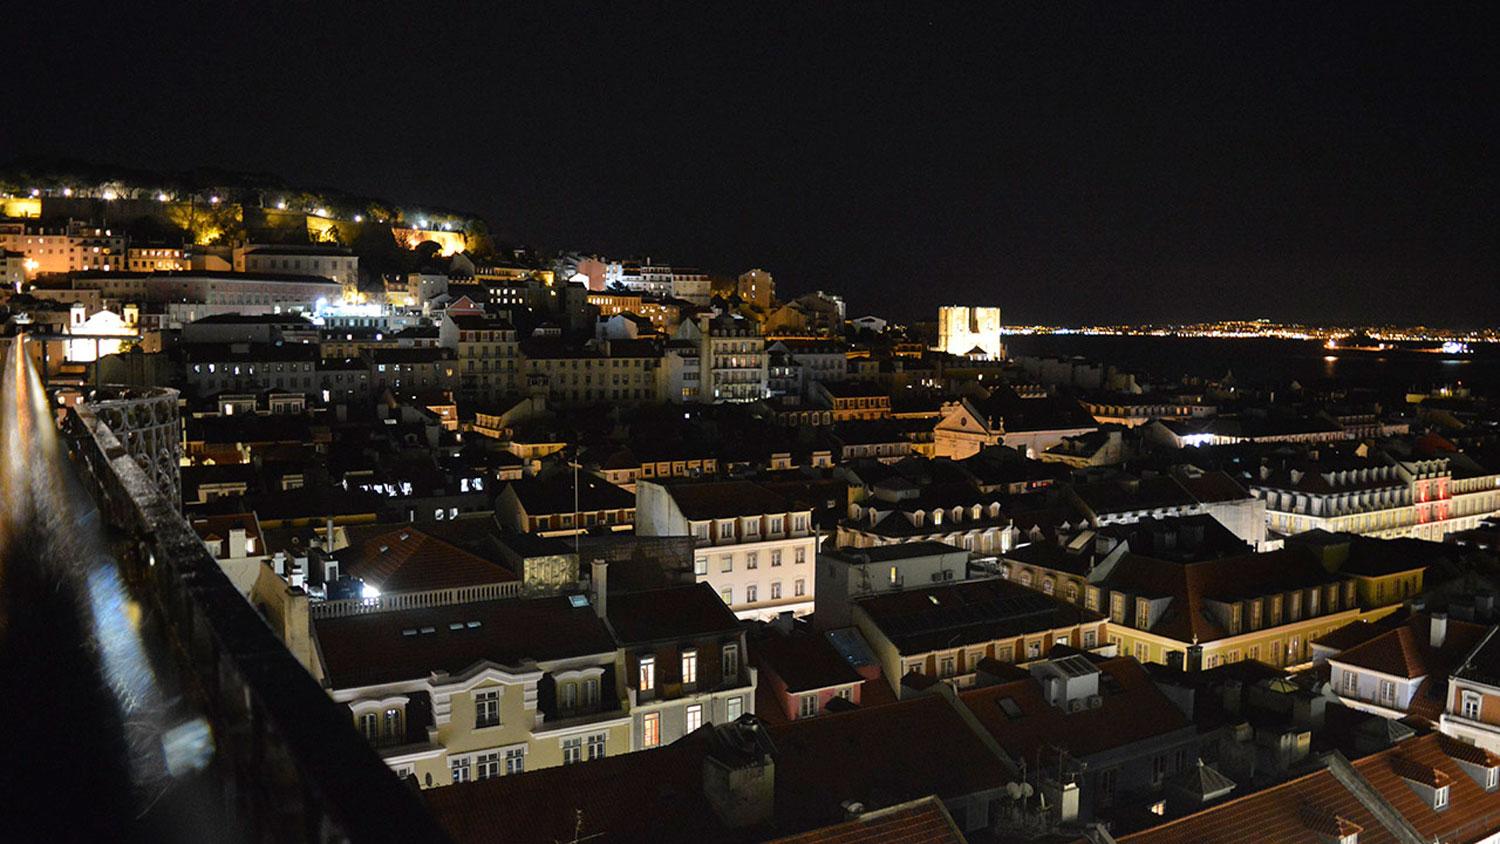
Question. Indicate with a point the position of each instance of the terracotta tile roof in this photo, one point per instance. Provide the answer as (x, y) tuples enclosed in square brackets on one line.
[(1463, 751), (1328, 823), (409, 559), (1351, 634), (922, 821), (650, 795), (383, 647), (674, 612), (1472, 813), (1308, 808), (924, 748), (1136, 712), (1223, 579), (1407, 651), (1296, 812)]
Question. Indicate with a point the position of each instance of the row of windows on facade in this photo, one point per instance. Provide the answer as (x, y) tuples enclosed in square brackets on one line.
[(752, 528), (752, 561), (752, 592), (729, 663), (967, 662)]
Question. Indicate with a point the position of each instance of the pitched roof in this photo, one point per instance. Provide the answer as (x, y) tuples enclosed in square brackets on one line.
[(925, 748), (725, 500), (1407, 650), (550, 496), (1132, 709), (386, 647), (409, 559), (674, 612), (1189, 585), (923, 821), (804, 660)]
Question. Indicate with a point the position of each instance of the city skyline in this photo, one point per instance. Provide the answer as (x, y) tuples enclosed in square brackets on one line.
[(1086, 166)]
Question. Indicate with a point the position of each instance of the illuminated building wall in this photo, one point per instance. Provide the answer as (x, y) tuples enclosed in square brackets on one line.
[(961, 329), (450, 242), (21, 207)]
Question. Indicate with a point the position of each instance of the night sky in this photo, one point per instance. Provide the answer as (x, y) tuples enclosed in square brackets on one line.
[(1068, 163)]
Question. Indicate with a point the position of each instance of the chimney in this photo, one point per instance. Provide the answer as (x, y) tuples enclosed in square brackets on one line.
[(599, 584), (1437, 629), (328, 535), (739, 773), (236, 543)]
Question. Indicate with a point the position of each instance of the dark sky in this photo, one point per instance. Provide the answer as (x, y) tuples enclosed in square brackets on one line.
[(1066, 162)]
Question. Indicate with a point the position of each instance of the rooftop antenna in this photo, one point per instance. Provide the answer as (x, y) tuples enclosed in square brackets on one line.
[(578, 835)]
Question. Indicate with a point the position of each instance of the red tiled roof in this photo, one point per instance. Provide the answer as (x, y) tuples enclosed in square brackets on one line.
[(1351, 634), (922, 821), (1472, 812), (1224, 579), (650, 795), (361, 650), (1279, 813), (1274, 814), (1407, 651), (877, 756), (409, 560), (1471, 753), (1137, 712)]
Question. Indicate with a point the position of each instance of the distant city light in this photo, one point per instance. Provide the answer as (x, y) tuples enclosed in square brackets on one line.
[(214, 200), (359, 218), (110, 195), (369, 592), (161, 197), (67, 191), (281, 204)]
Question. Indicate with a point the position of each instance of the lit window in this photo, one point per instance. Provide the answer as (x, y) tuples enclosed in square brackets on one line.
[(651, 729), (734, 707), (690, 666), (648, 673), (694, 717), (459, 769)]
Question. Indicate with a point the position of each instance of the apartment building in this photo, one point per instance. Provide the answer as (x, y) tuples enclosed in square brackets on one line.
[(1381, 495), (846, 575), (684, 660), (332, 262), (488, 356), (1472, 711), (464, 692), (945, 632), (754, 547), (1266, 606), (1403, 671)]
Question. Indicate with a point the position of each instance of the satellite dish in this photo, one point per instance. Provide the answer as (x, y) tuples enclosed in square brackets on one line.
[(1014, 790), (1027, 790)]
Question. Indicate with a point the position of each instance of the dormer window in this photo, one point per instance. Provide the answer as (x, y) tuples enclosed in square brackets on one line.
[(1440, 797)]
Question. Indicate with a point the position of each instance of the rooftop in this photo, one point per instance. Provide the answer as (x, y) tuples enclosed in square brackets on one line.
[(388, 647)]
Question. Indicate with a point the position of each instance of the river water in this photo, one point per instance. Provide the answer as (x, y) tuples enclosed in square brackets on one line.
[(1270, 362)]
